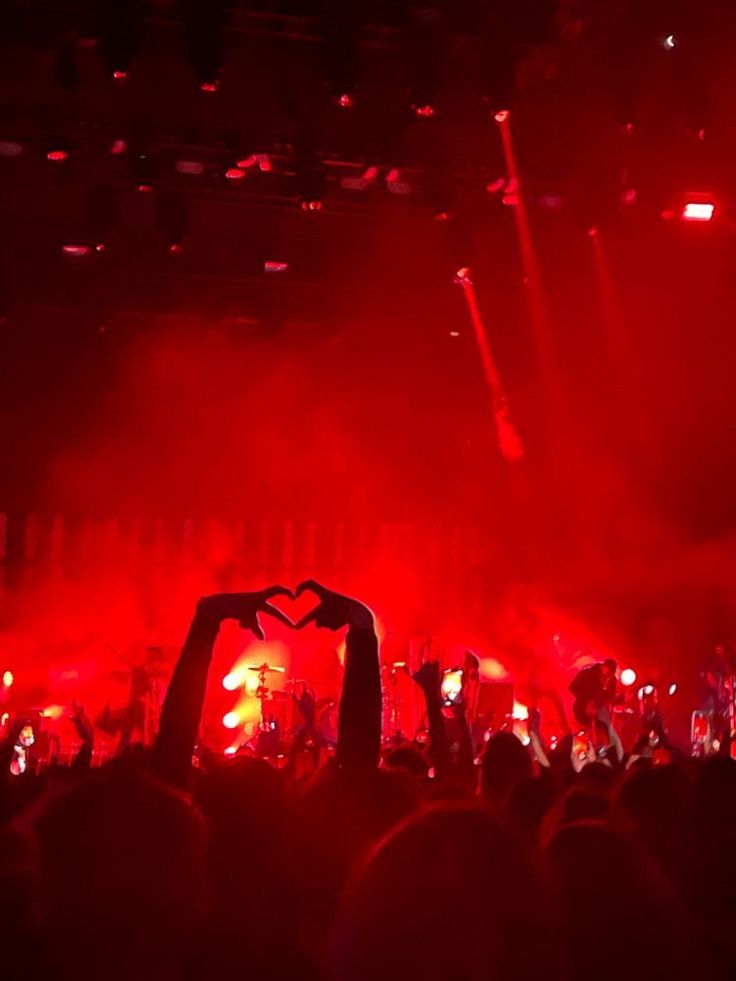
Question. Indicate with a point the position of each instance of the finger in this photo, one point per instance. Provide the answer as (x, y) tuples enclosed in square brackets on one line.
[(274, 591), (253, 624), (308, 618), (313, 586), (275, 612)]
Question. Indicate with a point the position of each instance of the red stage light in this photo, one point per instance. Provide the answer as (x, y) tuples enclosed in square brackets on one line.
[(495, 187), (8, 679), (234, 174), (628, 677), (275, 267), (176, 248), (264, 163), (57, 156), (345, 100), (211, 86), (118, 147), (120, 76), (232, 681), (144, 188), (441, 215), (593, 231), (231, 720), (698, 211), (629, 196), (75, 250), (311, 205), (247, 162), (502, 116), (231, 751), (424, 111), (672, 690), (454, 333)]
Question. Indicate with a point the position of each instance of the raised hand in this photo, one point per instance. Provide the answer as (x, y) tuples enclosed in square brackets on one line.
[(334, 610), (429, 678), (245, 607)]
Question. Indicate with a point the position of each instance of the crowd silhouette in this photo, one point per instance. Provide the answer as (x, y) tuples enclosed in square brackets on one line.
[(392, 864)]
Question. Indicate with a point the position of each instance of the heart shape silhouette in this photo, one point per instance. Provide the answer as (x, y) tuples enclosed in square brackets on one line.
[(294, 607)]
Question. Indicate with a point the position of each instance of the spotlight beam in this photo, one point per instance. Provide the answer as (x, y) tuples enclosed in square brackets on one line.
[(508, 439), (536, 299)]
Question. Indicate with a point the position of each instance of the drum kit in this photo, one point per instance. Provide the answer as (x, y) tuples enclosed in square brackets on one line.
[(278, 722)]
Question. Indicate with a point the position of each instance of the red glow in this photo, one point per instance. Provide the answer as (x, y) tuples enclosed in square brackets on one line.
[(119, 76), (144, 188), (247, 162), (118, 147), (275, 267), (211, 86), (494, 187), (311, 205), (234, 174), (75, 250), (441, 216), (510, 200), (264, 163), (176, 248), (593, 231), (698, 211), (57, 156), (629, 196), (100, 247), (502, 116), (345, 100), (425, 111)]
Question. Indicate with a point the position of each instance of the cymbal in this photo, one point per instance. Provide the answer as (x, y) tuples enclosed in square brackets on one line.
[(266, 669)]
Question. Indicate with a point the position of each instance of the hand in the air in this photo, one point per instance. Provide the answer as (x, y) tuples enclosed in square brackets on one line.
[(245, 607), (429, 678), (334, 610)]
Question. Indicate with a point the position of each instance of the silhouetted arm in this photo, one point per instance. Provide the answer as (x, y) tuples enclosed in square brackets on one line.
[(359, 721), (182, 709), (83, 725), (429, 680)]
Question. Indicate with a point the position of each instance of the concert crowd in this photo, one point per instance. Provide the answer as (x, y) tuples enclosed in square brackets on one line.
[(396, 862)]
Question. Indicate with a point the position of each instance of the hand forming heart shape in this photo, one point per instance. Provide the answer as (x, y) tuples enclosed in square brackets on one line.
[(333, 610)]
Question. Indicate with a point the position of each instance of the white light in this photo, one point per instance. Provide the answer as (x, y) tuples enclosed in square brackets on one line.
[(698, 211), (673, 688), (669, 43), (231, 720), (628, 677), (232, 681)]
